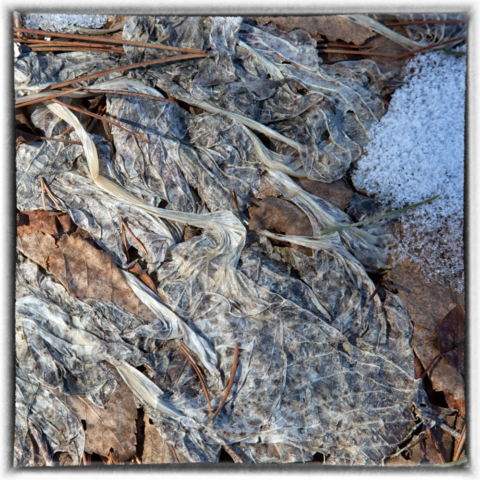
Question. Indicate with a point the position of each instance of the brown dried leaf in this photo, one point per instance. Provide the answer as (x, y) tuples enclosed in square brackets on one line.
[(143, 275), (114, 427), (333, 27), (155, 448), (451, 338), (281, 216), (338, 193), (84, 270)]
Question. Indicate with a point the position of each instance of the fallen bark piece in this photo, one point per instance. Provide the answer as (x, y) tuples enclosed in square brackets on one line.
[(114, 427), (83, 269), (333, 27)]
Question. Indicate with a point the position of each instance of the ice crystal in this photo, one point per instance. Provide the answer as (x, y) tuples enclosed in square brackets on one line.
[(417, 151)]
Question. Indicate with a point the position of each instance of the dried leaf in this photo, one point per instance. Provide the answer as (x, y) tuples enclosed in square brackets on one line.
[(334, 27), (279, 216), (451, 338), (143, 275), (84, 270), (338, 193), (114, 427), (155, 448)]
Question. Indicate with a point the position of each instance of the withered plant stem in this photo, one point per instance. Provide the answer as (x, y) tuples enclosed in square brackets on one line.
[(44, 99), (428, 47)]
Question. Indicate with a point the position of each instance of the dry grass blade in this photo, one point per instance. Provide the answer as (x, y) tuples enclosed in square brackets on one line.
[(125, 226), (230, 383), (19, 102), (50, 194), (127, 67), (107, 40), (428, 47), (458, 449), (199, 373), (131, 94), (103, 119)]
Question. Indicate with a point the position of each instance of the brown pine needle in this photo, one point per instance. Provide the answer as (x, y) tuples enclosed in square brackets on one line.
[(19, 102), (173, 453), (428, 47), (377, 288), (458, 449), (46, 43), (430, 367), (50, 194), (230, 382), (125, 226), (47, 48), (103, 119), (53, 139), (199, 373), (124, 240), (132, 94), (125, 68), (234, 199), (106, 40), (68, 130), (352, 52)]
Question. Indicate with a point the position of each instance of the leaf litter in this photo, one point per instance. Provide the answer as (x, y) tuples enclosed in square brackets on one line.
[(297, 355)]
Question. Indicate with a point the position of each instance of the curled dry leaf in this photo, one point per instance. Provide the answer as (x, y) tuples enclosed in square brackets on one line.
[(113, 427)]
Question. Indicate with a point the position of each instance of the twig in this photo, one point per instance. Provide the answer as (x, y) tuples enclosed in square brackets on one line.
[(125, 68), (377, 288), (50, 194), (378, 218), (454, 433), (19, 102), (68, 130), (232, 453), (125, 226), (230, 383), (41, 445), (424, 22), (435, 444), (103, 119), (199, 373), (53, 139), (458, 449), (328, 45), (132, 94), (47, 43), (107, 40), (234, 199), (428, 47)]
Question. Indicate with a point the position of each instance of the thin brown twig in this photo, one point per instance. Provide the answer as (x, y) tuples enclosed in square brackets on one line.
[(50, 194), (377, 288), (328, 45), (132, 94), (428, 47), (199, 373), (125, 68), (107, 40), (63, 140), (435, 444), (47, 43), (124, 240), (230, 383), (103, 119), (424, 22), (234, 199), (19, 103), (458, 449), (125, 226)]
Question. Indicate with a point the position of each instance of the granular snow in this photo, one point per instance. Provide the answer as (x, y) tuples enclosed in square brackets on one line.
[(63, 23), (416, 152)]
